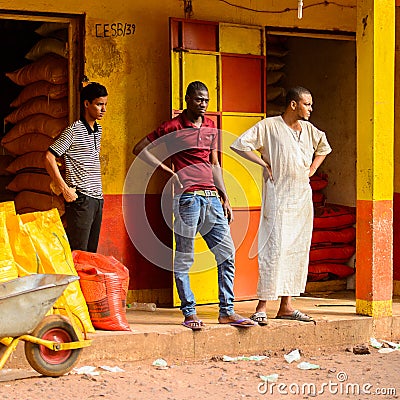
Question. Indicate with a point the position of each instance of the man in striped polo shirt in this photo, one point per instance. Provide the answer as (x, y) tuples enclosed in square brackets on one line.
[(79, 144)]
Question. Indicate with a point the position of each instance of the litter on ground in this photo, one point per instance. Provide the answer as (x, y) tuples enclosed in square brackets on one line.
[(307, 365), (269, 378), (292, 356), (244, 358)]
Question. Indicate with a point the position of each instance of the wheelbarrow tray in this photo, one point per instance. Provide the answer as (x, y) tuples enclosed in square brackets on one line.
[(26, 300)]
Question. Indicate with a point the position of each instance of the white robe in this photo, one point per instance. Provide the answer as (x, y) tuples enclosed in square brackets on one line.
[(286, 221)]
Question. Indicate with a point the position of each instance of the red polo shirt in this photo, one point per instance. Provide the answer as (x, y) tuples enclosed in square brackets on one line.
[(189, 148)]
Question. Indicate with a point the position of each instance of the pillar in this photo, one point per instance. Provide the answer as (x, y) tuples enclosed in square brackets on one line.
[(375, 164)]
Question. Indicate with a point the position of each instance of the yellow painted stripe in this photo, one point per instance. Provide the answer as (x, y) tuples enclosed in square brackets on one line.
[(384, 51), (374, 308), (375, 100)]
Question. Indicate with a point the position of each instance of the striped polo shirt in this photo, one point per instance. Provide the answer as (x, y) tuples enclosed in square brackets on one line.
[(80, 146)]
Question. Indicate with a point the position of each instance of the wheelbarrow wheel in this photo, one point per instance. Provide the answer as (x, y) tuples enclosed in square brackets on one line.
[(49, 362)]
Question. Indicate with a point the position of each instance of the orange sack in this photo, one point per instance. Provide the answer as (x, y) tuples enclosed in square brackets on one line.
[(104, 282)]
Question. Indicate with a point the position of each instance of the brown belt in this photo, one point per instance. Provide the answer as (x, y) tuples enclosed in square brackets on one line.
[(207, 193)]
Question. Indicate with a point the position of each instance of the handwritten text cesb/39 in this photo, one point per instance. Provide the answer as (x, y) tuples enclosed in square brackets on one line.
[(116, 29)]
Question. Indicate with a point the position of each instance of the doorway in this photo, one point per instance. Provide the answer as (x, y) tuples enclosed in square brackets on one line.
[(40, 75)]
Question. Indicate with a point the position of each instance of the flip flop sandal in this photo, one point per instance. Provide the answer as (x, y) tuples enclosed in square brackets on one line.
[(260, 317), (296, 315), (240, 322), (193, 324)]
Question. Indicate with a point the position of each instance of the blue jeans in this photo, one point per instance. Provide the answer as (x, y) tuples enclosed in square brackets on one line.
[(193, 214)]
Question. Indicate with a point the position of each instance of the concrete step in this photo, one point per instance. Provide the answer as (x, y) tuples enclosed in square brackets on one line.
[(159, 334)]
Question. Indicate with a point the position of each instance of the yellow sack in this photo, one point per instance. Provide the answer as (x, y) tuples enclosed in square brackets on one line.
[(8, 207), (24, 251), (8, 268), (51, 243)]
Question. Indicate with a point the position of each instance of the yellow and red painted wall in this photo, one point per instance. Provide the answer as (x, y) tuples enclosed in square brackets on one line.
[(375, 163), (396, 194), (127, 48)]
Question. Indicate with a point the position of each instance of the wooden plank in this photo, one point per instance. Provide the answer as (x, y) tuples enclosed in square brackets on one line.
[(326, 286)]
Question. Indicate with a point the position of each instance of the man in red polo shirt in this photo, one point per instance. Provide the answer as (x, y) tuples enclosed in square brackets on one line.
[(201, 203)]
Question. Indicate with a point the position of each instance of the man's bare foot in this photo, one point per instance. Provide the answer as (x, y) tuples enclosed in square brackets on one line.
[(236, 320)]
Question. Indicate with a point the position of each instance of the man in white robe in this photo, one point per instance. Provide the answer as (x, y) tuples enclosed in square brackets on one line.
[(291, 150)]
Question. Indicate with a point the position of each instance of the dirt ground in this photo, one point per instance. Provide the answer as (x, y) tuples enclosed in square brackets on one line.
[(341, 375)]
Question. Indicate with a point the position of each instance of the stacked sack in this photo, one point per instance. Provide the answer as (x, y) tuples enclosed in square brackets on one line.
[(5, 178), (333, 238), (318, 183), (40, 114), (276, 52)]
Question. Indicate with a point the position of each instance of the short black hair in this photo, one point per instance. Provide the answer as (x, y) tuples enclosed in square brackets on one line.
[(92, 91), (295, 94), (193, 86)]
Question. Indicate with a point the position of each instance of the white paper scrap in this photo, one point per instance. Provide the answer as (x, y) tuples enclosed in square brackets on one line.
[(112, 369), (374, 343), (292, 356), (86, 370), (270, 378), (307, 365)]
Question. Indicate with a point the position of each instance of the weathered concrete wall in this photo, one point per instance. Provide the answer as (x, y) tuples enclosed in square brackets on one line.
[(126, 48), (134, 65)]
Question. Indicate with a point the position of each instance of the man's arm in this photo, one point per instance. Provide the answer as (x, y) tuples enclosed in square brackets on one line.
[(318, 160), (220, 185), (251, 156), (142, 149), (50, 163)]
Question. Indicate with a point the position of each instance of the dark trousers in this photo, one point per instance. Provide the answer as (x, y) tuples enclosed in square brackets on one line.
[(84, 217)]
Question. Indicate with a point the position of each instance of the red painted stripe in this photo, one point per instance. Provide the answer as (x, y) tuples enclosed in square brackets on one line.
[(396, 234), (115, 241), (374, 250)]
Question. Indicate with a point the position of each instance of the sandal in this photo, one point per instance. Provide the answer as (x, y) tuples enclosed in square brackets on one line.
[(296, 315), (237, 320), (193, 324), (260, 317)]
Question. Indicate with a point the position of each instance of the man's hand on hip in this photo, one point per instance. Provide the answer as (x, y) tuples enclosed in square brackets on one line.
[(70, 194)]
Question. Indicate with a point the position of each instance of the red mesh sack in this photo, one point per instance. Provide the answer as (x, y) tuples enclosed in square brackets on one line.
[(332, 254), (318, 199), (319, 181), (317, 276), (346, 235), (325, 271), (334, 216), (104, 282)]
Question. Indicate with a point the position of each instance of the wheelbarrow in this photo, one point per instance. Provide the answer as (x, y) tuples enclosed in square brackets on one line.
[(52, 343)]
